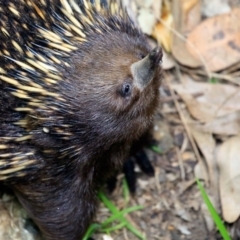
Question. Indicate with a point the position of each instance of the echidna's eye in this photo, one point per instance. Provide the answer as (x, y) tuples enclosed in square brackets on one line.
[(126, 89)]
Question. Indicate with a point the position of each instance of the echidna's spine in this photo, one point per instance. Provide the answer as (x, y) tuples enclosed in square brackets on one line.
[(37, 39)]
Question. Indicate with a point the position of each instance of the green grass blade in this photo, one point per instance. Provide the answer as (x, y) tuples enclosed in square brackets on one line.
[(156, 149), (120, 214), (122, 219), (126, 192), (114, 228), (223, 231), (213, 80), (92, 228)]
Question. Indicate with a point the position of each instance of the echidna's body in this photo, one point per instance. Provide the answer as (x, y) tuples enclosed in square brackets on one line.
[(74, 94)]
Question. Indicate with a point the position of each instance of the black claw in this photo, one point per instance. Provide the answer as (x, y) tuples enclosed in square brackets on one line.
[(144, 163), (128, 170), (137, 155), (112, 183)]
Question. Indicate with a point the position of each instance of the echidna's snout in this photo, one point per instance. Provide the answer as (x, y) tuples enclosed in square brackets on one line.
[(144, 70), (155, 56)]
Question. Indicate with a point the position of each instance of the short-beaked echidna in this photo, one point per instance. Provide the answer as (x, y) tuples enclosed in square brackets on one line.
[(78, 83)]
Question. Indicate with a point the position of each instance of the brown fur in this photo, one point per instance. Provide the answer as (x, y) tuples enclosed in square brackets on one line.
[(80, 136)]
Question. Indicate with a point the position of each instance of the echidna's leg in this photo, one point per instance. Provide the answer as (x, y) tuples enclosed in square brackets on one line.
[(137, 156)]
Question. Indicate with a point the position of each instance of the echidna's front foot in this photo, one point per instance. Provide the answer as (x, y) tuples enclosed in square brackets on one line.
[(137, 156)]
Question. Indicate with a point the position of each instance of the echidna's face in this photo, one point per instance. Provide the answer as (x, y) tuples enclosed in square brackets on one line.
[(116, 84)]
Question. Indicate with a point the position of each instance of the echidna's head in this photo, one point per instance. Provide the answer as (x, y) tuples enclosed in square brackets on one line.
[(115, 81), (85, 75)]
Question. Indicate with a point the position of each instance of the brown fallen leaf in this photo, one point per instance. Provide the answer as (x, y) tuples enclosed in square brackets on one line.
[(157, 8), (217, 39), (201, 111), (228, 160), (191, 14), (167, 62), (216, 100), (207, 145), (215, 7), (200, 172), (225, 125), (207, 216), (178, 47), (146, 20), (161, 32)]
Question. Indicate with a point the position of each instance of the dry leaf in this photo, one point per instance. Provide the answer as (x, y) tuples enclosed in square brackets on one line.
[(228, 159), (148, 14), (161, 31), (207, 216), (226, 125), (181, 53), (189, 4), (167, 62), (215, 7), (187, 155), (216, 100), (217, 40), (181, 211), (107, 237), (201, 111), (146, 20), (157, 8), (178, 46), (191, 14), (183, 230), (200, 172), (145, 3), (207, 145)]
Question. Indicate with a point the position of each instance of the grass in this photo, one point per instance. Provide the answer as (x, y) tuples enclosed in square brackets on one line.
[(156, 149), (216, 218), (213, 80), (117, 219)]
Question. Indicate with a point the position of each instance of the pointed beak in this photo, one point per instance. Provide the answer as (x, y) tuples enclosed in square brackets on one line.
[(144, 70)]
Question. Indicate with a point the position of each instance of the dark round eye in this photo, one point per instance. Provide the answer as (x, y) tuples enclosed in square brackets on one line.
[(142, 56), (126, 89)]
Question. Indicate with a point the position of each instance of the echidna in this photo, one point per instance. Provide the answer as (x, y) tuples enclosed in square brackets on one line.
[(78, 83)]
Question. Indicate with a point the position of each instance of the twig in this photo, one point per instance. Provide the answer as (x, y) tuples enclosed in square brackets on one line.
[(200, 72), (182, 171), (176, 97), (184, 122)]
